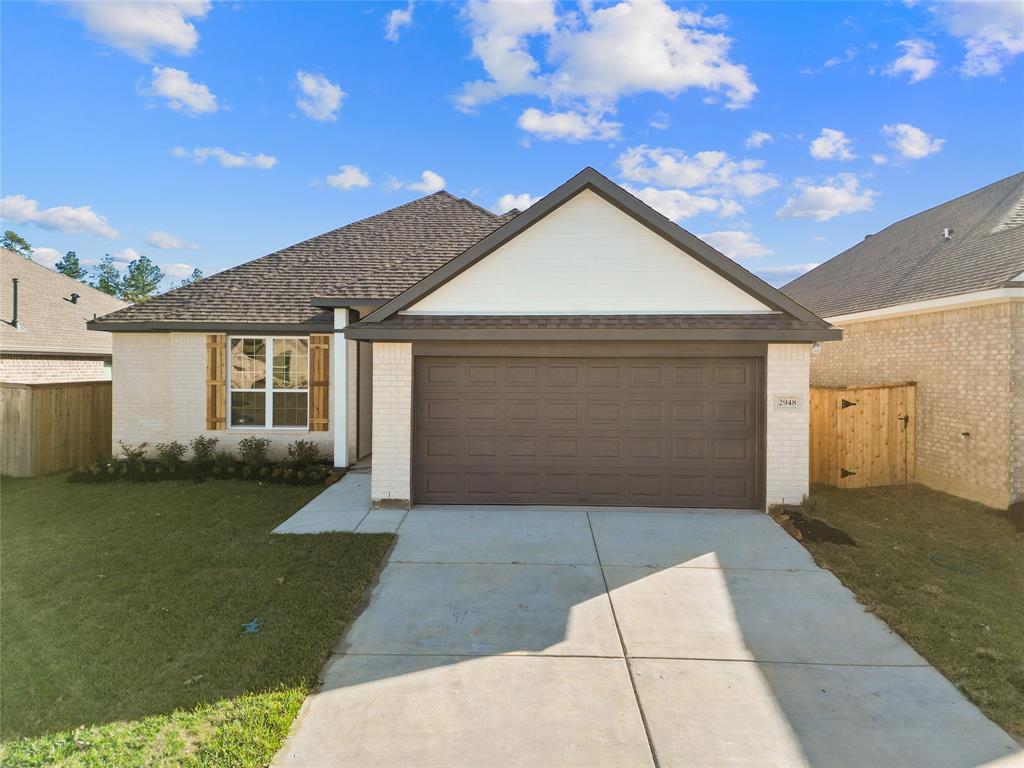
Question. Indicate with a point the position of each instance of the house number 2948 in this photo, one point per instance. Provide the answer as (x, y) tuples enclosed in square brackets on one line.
[(787, 403)]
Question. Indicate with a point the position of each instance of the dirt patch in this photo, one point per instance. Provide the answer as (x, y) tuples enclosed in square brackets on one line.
[(1015, 514), (802, 527)]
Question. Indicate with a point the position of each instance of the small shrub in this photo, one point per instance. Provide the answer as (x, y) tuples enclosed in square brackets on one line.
[(813, 506), (264, 471), (203, 450), (253, 450), (170, 454), (223, 461), (133, 454), (303, 453)]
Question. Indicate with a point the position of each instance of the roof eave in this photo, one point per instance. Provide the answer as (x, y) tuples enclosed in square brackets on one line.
[(364, 333), (200, 326)]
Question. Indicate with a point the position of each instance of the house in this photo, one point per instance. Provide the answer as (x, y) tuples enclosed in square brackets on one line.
[(585, 351), (938, 299), (43, 337)]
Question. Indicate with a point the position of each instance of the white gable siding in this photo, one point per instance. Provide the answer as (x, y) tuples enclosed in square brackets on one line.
[(587, 257)]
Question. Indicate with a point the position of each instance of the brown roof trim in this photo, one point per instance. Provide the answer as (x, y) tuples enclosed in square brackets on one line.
[(162, 326), (332, 302), (365, 333), (589, 178)]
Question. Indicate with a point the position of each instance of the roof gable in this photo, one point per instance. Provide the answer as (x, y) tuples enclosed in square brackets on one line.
[(720, 268), (585, 257)]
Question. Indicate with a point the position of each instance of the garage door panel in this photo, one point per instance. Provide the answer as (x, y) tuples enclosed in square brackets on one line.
[(651, 431)]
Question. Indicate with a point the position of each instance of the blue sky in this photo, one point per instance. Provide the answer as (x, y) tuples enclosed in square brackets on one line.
[(207, 135)]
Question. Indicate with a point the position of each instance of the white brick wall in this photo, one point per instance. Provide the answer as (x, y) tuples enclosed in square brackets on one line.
[(159, 394), (392, 423), (787, 460)]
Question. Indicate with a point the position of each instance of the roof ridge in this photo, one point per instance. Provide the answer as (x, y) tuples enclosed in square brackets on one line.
[(59, 275)]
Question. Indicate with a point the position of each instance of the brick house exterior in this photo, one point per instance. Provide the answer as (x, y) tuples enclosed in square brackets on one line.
[(954, 325), (48, 342), (486, 359)]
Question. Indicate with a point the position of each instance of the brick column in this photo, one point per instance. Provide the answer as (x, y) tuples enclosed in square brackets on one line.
[(392, 424), (788, 441)]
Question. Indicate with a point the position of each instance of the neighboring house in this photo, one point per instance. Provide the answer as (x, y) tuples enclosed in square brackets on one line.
[(585, 351), (43, 337), (938, 299)]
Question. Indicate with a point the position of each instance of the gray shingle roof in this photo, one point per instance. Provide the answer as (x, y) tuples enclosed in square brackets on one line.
[(50, 323), (911, 261), (374, 258)]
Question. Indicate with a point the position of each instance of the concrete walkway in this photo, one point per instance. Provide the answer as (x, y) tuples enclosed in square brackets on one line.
[(344, 506), (591, 637)]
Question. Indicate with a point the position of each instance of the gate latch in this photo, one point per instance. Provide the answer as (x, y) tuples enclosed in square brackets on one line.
[(905, 420)]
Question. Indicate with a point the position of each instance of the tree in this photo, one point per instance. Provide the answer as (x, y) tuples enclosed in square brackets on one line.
[(69, 266), (12, 241), (141, 281), (107, 278), (195, 277)]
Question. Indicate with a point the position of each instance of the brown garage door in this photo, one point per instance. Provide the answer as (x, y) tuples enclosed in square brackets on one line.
[(678, 432)]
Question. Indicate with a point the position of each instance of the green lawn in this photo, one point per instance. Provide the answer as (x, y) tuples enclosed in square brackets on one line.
[(122, 611), (946, 574)]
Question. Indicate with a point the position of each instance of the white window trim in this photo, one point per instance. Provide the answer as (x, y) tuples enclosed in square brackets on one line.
[(269, 392)]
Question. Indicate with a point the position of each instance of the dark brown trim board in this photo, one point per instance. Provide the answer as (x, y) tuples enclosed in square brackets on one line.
[(614, 194), (151, 326), (595, 334)]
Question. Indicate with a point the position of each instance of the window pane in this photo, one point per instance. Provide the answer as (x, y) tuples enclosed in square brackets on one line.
[(289, 409), (248, 409), (248, 364), (291, 363)]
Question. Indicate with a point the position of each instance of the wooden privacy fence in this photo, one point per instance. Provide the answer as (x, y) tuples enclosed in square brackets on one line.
[(49, 427), (863, 436)]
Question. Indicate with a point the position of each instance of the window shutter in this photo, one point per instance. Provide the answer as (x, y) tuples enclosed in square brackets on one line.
[(319, 381), (216, 381)]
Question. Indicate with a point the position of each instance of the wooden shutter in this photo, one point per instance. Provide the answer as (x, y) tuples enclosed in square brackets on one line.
[(319, 381), (216, 381)]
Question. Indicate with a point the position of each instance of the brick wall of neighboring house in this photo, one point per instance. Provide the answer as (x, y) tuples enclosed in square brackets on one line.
[(37, 369), (1017, 400), (159, 394), (392, 424), (961, 361), (787, 443)]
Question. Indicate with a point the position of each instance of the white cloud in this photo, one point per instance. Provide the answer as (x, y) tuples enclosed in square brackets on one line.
[(348, 177), (993, 33), (912, 143), (597, 54), (166, 240), (918, 60), (837, 195), (62, 218), (713, 172), (832, 145), (849, 55), (572, 126), (140, 28), (398, 18), (225, 158), (181, 93), (758, 139), (125, 256), (678, 204), (48, 257), (320, 99), (660, 121), (429, 183), (737, 244), (784, 273), (179, 271), (507, 202), (879, 159)]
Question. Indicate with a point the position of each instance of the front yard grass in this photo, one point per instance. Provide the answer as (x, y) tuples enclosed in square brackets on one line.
[(123, 608), (946, 574)]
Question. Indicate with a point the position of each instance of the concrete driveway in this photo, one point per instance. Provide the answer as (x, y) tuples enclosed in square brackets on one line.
[(536, 636)]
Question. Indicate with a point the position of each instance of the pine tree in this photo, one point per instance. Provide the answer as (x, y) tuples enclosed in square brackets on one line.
[(141, 281), (107, 278), (195, 277), (69, 266), (12, 241)]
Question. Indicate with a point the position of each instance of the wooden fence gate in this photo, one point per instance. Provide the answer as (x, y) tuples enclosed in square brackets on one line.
[(863, 436), (50, 427)]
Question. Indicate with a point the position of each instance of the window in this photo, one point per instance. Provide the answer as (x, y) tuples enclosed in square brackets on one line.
[(280, 399)]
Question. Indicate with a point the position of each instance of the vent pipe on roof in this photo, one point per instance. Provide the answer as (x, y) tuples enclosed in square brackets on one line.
[(947, 233), (14, 303), (74, 298)]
